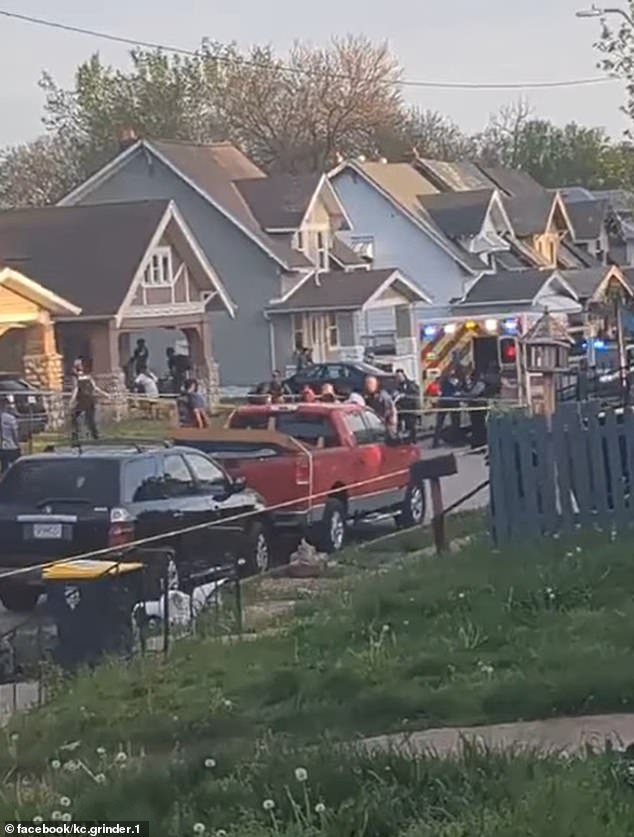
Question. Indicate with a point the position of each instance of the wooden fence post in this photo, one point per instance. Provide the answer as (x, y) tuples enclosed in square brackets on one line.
[(438, 516)]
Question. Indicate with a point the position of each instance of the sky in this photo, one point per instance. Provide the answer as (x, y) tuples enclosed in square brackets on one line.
[(485, 41)]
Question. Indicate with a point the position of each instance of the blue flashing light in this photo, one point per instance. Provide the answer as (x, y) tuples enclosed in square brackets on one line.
[(599, 344), (511, 326), (430, 331)]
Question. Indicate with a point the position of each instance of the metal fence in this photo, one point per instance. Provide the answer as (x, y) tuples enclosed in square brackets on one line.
[(554, 476)]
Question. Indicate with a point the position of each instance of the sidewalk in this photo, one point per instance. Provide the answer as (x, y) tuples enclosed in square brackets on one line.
[(556, 735)]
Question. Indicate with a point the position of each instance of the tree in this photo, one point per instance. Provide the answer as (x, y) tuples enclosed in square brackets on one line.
[(426, 133), (299, 114), (37, 173), (616, 46)]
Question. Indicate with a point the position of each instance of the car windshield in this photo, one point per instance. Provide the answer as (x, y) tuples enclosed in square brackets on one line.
[(33, 481)]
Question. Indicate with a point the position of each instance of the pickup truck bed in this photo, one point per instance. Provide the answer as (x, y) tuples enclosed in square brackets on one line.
[(318, 466)]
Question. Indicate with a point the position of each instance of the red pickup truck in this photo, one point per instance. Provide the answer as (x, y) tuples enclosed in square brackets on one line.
[(318, 466)]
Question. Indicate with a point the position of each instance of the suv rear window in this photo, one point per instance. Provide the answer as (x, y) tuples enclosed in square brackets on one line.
[(304, 427), (34, 480)]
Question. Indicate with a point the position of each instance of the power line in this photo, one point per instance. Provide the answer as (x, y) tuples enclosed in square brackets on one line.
[(438, 85)]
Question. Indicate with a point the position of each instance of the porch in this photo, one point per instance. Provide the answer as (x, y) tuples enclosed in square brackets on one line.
[(328, 314)]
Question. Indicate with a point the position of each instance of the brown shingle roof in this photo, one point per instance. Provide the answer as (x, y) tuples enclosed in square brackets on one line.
[(214, 170), (85, 254), (279, 202), (339, 290)]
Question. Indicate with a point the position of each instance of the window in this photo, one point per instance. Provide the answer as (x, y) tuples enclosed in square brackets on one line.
[(337, 372), (206, 473), (299, 241), (358, 428), (332, 331), (178, 480), (306, 428), (159, 270), (323, 261), (139, 480), (298, 332), (80, 478), (376, 428)]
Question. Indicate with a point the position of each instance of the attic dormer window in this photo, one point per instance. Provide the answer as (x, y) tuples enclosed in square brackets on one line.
[(323, 256), (159, 270)]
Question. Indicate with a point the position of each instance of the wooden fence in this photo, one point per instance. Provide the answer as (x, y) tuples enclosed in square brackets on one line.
[(575, 472)]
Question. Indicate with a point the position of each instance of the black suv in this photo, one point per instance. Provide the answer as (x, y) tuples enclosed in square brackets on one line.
[(68, 502)]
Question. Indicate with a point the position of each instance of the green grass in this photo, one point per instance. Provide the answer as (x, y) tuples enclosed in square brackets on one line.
[(478, 637)]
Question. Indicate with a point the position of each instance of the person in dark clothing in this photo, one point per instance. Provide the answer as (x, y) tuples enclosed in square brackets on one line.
[(485, 388), (83, 404), (407, 396), (447, 404), (191, 406), (379, 400), (9, 435), (277, 388), (140, 357), (178, 367), (304, 359)]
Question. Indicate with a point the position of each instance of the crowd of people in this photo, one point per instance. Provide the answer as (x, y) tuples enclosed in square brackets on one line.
[(463, 385)]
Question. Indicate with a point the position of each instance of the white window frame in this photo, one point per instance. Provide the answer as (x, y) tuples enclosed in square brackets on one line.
[(156, 275), (332, 330), (299, 241), (299, 328), (322, 247)]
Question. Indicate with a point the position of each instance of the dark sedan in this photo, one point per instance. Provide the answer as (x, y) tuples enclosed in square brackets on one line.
[(344, 377)]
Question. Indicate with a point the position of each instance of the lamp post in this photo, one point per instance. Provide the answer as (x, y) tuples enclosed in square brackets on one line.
[(594, 11)]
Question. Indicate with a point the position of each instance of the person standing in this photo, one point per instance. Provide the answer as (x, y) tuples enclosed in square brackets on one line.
[(9, 435), (408, 395), (178, 367), (327, 394), (191, 406), (83, 404), (448, 403), (378, 399), (140, 356), (277, 388)]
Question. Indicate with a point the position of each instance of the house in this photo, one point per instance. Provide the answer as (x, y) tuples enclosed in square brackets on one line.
[(27, 337), (125, 268), (263, 235), (391, 227), (327, 311)]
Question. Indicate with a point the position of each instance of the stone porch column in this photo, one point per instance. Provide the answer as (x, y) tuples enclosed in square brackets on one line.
[(43, 368), (204, 368)]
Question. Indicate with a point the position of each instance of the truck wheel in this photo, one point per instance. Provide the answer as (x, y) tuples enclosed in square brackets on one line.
[(258, 552), (413, 509), (19, 598), (332, 529)]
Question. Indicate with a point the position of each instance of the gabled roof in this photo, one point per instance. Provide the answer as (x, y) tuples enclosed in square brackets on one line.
[(514, 286), (512, 181), (402, 185), (459, 214), (352, 291), (591, 283), (90, 254), (211, 170), (587, 218), (27, 288), (529, 214), (447, 176), (279, 202), (548, 328), (344, 255)]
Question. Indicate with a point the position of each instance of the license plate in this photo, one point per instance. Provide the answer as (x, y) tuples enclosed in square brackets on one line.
[(47, 531)]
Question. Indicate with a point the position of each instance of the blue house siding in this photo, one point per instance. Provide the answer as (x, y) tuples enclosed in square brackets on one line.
[(398, 242), (241, 346)]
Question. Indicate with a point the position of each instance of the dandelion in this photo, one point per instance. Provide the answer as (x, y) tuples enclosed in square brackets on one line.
[(385, 629), (37, 819), (405, 622), (66, 817), (71, 766), (198, 828), (221, 833), (100, 778), (578, 550), (301, 774), (65, 802), (227, 703), (630, 770), (461, 595), (121, 757), (101, 751), (56, 815), (268, 804), (320, 808), (551, 596), (56, 764), (15, 737), (210, 764)]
